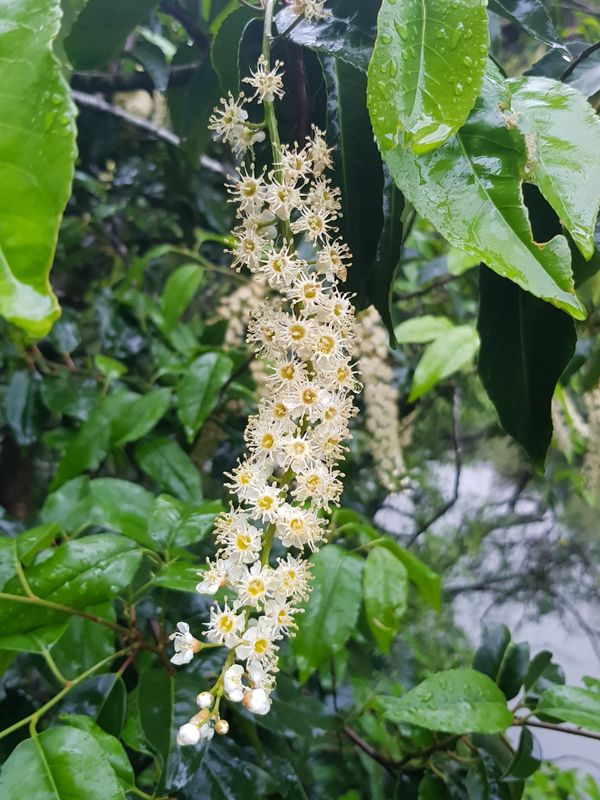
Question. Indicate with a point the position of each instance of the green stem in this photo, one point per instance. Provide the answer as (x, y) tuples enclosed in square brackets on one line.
[(38, 601), (32, 719), (53, 667)]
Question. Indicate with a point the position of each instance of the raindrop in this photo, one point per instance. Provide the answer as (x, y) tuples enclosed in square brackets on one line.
[(405, 55), (469, 80), (483, 49), (393, 68), (402, 30), (467, 61), (458, 89), (386, 38)]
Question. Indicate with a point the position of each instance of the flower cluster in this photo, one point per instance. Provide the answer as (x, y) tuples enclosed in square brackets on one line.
[(287, 480), (381, 402)]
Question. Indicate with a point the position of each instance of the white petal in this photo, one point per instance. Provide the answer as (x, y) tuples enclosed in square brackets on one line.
[(188, 734), (182, 657)]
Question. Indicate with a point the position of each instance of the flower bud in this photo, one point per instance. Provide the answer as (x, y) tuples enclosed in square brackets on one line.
[(206, 731), (205, 699), (222, 727), (201, 717), (257, 701), (188, 734)]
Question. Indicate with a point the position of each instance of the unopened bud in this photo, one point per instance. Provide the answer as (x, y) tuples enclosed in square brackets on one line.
[(205, 699), (188, 734), (201, 717), (222, 727)]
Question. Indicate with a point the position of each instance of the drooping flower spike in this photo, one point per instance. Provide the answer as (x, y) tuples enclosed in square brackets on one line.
[(287, 480)]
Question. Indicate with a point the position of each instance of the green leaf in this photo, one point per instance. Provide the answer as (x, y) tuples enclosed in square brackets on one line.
[(483, 781), (525, 346), (179, 290), (68, 395), (470, 190), (199, 390), (78, 574), (225, 48), (109, 367), (165, 703), (68, 506), (175, 523), (101, 698), (514, 669), (357, 167), (140, 416), (22, 408), (179, 576), (537, 665), (563, 135), (426, 71), (431, 788), (84, 642), (122, 506), (191, 105), (346, 34), (88, 447), (99, 32), (59, 764), (449, 353), (37, 154), (422, 329), (24, 546), (532, 16), (455, 701), (586, 75), (171, 468), (332, 612), (385, 589), (490, 654), (132, 733), (527, 758), (154, 61), (112, 748), (381, 276), (572, 704)]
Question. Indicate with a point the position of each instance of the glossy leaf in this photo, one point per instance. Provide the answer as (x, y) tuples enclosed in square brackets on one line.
[(165, 703), (199, 391), (427, 70), (84, 642), (483, 781), (449, 353), (140, 416), (69, 395), (572, 704), (381, 276), (89, 446), (527, 758), (180, 576), (490, 654), (79, 573), (112, 748), (22, 407), (385, 588), (59, 764), (102, 699), (456, 701), (432, 788), (68, 506), (470, 189), (532, 16), (331, 615), (513, 671), (171, 468), (121, 506), (537, 665), (525, 346), (357, 167), (563, 135), (175, 523), (24, 547), (98, 34), (421, 329), (585, 77), (180, 288), (37, 154), (346, 34), (225, 48)]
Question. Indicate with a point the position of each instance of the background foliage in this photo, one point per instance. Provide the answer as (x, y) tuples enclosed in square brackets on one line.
[(120, 416)]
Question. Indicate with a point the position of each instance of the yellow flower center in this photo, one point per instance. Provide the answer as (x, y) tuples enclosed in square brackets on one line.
[(279, 411), (267, 442), (226, 623), (296, 524), (265, 503), (256, 587), (242, 541), (287, 372), (260, 646), (309, 396), (343, 374), (326, 344), (297, 332), (312, 483)]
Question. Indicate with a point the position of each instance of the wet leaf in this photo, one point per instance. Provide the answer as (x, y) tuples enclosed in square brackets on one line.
[(422, 329), (449, 353), (180, 288), (102, 698), (470, 189), (456, 701), (171, 468), (111, 747), (175, 523), (572, 704), (385, 588), (199, 391), (426, 71), (37, 153), (532, 16)]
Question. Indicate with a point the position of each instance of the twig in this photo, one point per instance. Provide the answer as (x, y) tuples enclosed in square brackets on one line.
[(173, 9), (235, 375), (390, 766), (436, 284), (550, 726), (581, 57), (457, 470)]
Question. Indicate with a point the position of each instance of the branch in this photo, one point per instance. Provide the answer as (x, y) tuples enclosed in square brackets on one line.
[(107, 84), (436, 284), (457, 470), (550, 726), (173, 9), (390, 766), (98, 103)]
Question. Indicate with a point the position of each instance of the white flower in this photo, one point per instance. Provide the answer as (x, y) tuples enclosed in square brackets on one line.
[(312, 9), (291, 578), (206, 731), (188, 734), (184, 643), (266, 82), (254, 586), (257, 701), (213, 578), (257, 643), (224, 626), (232, 683)]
